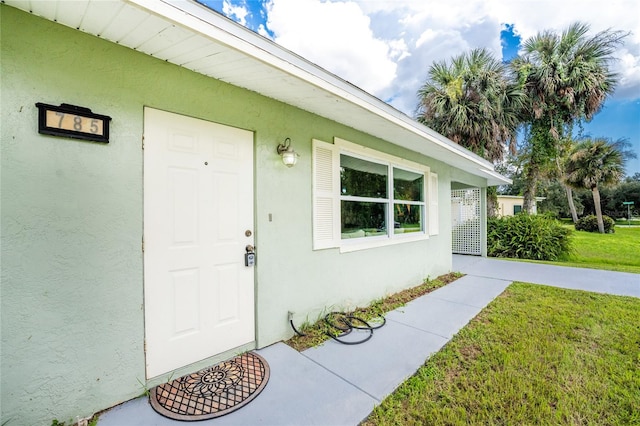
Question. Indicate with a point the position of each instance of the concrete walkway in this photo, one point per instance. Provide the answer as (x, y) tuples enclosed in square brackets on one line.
[(336, 384), (618, 283)]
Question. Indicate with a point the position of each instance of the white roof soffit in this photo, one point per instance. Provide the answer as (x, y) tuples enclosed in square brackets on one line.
[(195, 37)]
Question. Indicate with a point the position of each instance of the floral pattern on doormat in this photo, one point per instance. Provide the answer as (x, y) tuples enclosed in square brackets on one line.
[(213, 391)]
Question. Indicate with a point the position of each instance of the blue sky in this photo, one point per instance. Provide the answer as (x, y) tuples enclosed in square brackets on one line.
[(395, 42)]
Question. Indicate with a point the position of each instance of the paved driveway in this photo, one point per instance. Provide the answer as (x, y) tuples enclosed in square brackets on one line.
[(618, 283)]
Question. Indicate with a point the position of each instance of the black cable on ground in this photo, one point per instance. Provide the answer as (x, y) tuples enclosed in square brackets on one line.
[(295, 329), (333, 319), (346, 320), (374, 327)]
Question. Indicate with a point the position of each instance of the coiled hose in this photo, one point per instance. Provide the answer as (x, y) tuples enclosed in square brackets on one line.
[(344, 324)]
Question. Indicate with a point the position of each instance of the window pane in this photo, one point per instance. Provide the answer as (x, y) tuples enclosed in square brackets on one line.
[(363, 219), (362, 178), (407, 218), (408, 185)]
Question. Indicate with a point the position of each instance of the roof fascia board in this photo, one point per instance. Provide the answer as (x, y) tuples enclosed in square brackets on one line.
[(211, 24), (519, 197), (496, 178), (197, 17)]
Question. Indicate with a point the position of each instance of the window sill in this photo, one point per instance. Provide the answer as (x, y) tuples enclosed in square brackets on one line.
[(347, 246)]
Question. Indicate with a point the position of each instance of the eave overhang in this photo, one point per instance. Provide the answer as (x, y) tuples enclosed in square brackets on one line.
[(192, 36)]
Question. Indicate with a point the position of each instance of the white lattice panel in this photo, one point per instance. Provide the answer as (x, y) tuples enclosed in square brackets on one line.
[(466, 221)]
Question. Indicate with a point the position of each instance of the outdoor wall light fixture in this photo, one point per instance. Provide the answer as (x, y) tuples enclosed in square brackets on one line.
[(289, 156)]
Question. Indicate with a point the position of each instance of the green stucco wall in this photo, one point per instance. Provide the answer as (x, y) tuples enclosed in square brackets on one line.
[(72, 219)]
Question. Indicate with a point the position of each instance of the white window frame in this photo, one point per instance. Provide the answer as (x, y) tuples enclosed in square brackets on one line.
[(433, 213), (341, 146)]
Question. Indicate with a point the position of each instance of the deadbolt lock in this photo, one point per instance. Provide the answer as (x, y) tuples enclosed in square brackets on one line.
[(249, 256)]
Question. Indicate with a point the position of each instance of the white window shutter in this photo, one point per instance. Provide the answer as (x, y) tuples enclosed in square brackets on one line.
[(433, 204), (326, 195)]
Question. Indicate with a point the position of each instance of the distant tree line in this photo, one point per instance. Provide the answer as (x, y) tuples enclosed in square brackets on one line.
[(555, 198), (611, 200)]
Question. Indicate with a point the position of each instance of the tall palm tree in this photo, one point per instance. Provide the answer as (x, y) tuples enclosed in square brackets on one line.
[(567, 79), (472, 102), (594, 163)]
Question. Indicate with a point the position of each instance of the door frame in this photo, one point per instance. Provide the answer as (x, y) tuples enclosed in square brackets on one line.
[(216, 358)]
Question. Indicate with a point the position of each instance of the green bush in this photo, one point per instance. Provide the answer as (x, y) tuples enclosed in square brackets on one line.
[(590, 224), (523, 236)]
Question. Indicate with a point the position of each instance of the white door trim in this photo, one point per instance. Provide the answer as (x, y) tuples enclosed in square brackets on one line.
[(198, 202)]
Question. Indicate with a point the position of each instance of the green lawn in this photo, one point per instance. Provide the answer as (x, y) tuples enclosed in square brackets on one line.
[(535, 355), (619, 251)]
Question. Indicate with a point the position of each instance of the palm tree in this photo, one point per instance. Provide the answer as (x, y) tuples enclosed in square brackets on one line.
[(567, 79), (472, 102), (594, 163), (565, 149)]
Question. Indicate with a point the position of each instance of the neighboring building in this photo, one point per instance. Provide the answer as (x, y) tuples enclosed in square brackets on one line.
[(508, 205), (123, 263)]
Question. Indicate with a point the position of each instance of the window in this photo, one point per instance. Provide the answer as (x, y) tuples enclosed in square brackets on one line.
[(517, 209), (363, 198), (409, 205)]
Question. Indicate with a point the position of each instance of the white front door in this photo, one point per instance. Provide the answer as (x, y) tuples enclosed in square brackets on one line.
[(198, 219)]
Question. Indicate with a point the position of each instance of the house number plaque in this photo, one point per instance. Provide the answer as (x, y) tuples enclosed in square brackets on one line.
[(72, 121)]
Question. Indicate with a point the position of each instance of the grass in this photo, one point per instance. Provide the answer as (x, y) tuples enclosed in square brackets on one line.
[(633, 222), (316, 333), (619, 222), (619, 251), (535, 355)]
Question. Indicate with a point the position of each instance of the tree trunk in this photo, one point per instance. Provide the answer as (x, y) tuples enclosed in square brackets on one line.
[(543, 149), (596, 202), (492, 201), (572, 206), (530, 184)]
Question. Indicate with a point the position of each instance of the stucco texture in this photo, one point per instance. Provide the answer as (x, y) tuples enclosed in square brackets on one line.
[(72, 219)]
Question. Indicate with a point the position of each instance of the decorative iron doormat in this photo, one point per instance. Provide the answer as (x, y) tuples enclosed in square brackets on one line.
[(214, 391)]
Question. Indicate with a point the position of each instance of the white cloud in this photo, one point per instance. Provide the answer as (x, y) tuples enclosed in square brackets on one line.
[(236, 12), (628, 68), (387, 46), (263, 31), (532, 16), (338, 37), (426, 37), (399, 50), (433, 32)]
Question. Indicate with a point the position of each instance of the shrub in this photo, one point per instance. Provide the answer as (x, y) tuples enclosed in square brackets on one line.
[(523, 236), (590, 224)]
